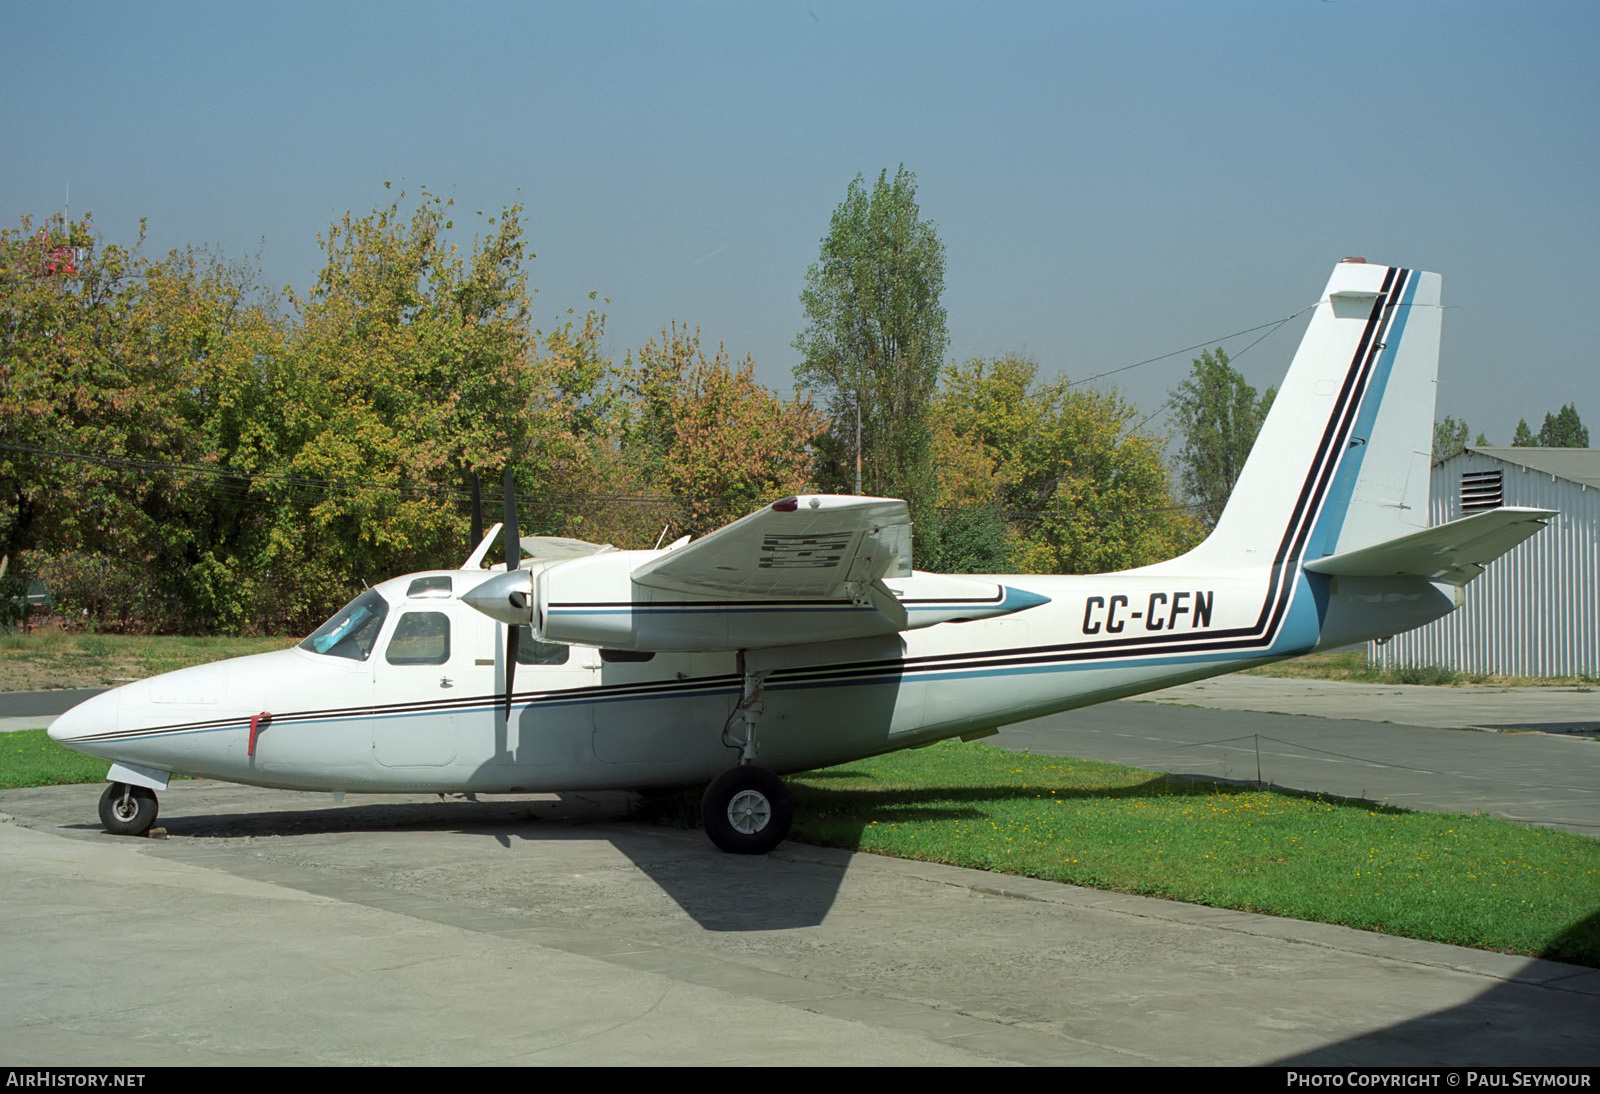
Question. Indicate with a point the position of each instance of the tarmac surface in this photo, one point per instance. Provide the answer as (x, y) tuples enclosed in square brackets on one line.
[(1408, 746), (36, 709), (280, 928)]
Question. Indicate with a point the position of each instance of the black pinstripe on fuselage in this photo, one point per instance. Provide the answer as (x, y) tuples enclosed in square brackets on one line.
[(1255, 638)]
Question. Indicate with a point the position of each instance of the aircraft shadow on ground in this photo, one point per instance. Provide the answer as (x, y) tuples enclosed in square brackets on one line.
[(465, 813), (878, 806), (795, 887), (1492, 1028), (720, 892), (1561, 729)]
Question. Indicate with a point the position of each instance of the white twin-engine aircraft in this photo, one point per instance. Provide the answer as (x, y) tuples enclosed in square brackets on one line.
[(800, 637)]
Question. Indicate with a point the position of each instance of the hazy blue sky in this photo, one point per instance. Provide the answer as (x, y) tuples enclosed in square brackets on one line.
[(1111, 181)]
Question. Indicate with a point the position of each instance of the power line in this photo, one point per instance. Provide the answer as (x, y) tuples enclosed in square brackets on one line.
[(1276, 323), (1168, 404)]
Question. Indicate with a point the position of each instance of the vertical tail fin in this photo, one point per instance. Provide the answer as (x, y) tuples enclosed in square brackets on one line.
[(1343, 459)]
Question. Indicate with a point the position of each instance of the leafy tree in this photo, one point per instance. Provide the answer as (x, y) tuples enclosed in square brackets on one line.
[(568, 417), (875, 340), (179, 451), (415, 365), (1449, 438), (1218, 415), (127, 360), (971, 539), (719, 443), (1560, 430), (1080, 493), (64, 378), (1564, 430)]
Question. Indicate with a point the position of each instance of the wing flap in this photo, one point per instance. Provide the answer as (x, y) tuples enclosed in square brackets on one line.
[(1454, 553)]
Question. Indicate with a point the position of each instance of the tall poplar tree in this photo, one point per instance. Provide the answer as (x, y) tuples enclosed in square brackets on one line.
[(875, 340), (1218, 415)]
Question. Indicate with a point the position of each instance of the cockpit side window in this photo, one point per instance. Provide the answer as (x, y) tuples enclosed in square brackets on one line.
[(420, 638), (436, 587), (353, 630)]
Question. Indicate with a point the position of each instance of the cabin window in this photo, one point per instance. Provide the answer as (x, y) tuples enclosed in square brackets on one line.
[(420, 638), (353, 630), (626, 655), (429, 588), (533, 651)]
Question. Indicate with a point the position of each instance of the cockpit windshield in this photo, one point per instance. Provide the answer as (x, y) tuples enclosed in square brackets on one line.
[(353, 630)]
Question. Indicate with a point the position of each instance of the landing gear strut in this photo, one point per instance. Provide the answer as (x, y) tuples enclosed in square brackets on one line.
[(128, 810), (747, 811)]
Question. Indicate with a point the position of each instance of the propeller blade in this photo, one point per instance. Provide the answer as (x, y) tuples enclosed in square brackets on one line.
[(513, 539), (477, 514), (512, 634), (513, 562)]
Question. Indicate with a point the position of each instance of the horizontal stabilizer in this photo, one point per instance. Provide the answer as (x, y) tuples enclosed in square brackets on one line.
[(1454, 553)]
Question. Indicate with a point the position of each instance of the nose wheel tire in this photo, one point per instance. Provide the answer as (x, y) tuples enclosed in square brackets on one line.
[(128, 810), (747, 811)]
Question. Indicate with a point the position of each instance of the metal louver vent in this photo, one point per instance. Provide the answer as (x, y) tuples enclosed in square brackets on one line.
[(1481, 490)]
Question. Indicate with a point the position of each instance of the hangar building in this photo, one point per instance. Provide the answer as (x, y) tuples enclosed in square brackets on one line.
[(1536, 611)]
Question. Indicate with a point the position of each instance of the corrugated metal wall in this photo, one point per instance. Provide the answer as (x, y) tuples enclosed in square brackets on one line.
[(1535, 611)]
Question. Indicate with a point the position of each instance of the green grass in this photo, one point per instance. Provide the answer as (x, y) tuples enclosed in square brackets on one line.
[(53, 659), (1469, 881), (31, 758), (1353, 666)]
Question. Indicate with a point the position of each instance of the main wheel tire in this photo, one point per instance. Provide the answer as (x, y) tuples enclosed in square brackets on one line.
[(128, 810), (747, 811)]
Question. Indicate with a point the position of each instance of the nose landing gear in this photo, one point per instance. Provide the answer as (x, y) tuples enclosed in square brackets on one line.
[(128, 810)]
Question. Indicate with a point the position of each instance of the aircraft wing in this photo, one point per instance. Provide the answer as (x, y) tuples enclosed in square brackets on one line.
[(811, 569), (557, 547), (815, 545), (1454, 553)]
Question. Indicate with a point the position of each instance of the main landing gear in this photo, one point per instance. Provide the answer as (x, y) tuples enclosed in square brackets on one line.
[(747, 811), (128, 810)]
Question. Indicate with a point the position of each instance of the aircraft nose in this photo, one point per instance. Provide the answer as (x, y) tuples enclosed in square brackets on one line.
[(97, 714)]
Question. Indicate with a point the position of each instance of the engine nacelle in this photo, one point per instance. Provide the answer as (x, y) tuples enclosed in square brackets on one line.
[(594, 601)]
